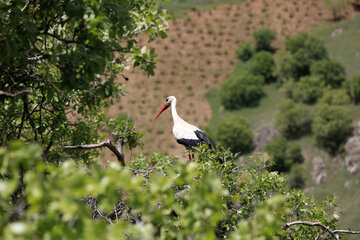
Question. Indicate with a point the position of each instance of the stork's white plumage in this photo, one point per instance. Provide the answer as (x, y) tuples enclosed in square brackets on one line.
[(186, 134)]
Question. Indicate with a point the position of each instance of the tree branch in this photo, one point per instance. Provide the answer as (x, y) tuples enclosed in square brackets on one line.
[(319, 224), (12, 95), (106, 143)]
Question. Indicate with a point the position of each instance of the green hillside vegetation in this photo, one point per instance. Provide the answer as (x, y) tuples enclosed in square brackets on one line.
[(326, 83), (178, 7)]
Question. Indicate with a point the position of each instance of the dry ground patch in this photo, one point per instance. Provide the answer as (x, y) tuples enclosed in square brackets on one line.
[(199, 54)]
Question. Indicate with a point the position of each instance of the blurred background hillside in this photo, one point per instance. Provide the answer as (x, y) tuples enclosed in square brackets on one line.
[(308, 79)]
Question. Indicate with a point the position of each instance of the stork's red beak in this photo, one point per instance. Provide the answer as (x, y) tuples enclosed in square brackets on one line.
[(162, 109)]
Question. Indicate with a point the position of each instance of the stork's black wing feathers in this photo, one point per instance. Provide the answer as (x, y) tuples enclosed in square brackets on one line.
[(190, 143), (205, 139)]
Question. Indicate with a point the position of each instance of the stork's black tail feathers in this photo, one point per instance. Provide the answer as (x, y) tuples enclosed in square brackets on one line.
[(206, 140)]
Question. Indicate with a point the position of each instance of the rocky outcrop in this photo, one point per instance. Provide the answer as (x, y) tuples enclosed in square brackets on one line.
[(319, 170), (353, 145), (353, 163), (263, 136)]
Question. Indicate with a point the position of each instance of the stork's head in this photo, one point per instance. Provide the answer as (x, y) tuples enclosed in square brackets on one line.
[(167, 104)]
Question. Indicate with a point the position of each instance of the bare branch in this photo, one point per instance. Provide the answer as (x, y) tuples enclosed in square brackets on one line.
[(12, 95), (107, 144), (333, 233)]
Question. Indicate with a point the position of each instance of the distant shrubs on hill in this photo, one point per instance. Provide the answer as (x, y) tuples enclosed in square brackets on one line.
[(285, 154), (335, 97), (235, 133), (245, 90), (294, 119), (245, 51), (352, 87), (309, 89), (305, 50), (331, 72), (263, 64), (331, 126), (263, 39)]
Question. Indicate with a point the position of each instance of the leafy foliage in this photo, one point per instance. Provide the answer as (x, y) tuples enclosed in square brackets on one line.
[(331, 126), (305, 50), (352, 86), (263, 38), (284, 154), (245, 90), (172, 200), (284, 66), (235, 133), (263, 64), (330, 71), (245, 51), (293, 119), (59, 60)]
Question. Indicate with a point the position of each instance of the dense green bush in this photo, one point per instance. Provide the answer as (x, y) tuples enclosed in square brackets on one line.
[(330, 71), (284, 66), (335, 97), (331, 126), (284, 154), (309, 89), (352, 86), (293, 119), (263, 38), (263, 64), (305, 50), (235, 133), (296, 177), (242, 91), (245, 51)]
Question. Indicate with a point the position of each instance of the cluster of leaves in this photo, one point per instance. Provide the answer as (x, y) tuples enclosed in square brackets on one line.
[(163, 198), (58, 63)]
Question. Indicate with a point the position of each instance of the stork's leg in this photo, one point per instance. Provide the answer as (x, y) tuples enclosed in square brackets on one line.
[(189, 156), (193, 154)]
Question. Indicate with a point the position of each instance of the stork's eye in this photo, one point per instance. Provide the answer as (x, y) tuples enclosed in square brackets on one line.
[(167, 100)]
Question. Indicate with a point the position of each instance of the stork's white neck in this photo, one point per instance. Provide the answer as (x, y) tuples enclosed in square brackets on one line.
[(174, 112)]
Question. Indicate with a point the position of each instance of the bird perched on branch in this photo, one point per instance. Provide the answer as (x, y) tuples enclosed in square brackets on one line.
[(186, 134)]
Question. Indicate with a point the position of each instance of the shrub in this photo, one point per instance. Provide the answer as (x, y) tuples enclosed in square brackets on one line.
[(242, 91), (293, 120), (305, 51), (277, 149), (263, 38), (284, 66), (296, 177), (245, 51), (284, 154), (331, 72), (235, 133), (352, 86), (308, 89), (335, 97), (293, 152), (336, 7), (263, 64), (331, 126)]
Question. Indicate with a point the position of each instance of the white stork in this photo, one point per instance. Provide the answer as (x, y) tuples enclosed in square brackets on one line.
[(185, 133)]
